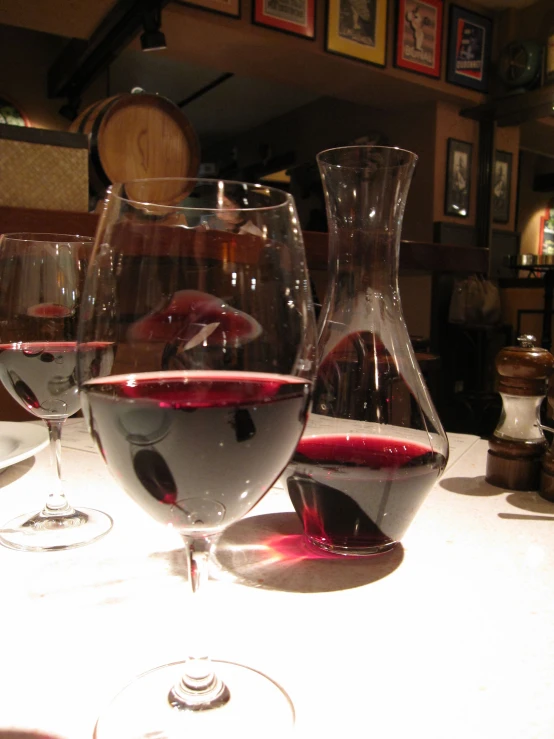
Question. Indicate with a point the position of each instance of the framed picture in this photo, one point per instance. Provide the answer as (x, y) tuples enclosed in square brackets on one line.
[(358, 29), (469, 49), (227, 7), (291, 16), (546, 233), (501, 187), (419, 36), (458, 178)]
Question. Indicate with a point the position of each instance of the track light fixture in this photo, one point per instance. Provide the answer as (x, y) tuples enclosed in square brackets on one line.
[(153, 38)]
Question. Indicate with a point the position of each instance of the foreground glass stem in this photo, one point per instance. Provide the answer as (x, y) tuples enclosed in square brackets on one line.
[(199, 688), (56, 504)]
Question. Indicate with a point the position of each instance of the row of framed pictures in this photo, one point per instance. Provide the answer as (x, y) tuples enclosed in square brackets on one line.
[(458, 182), (358, 29)]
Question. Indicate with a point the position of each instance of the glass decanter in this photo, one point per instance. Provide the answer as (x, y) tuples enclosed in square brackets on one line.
[(374, 445)]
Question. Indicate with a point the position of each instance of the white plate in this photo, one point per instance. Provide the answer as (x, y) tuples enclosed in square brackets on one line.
[(19, 441)]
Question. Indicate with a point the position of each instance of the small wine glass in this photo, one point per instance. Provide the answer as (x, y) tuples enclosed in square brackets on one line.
[(41, 280), (202, 285)]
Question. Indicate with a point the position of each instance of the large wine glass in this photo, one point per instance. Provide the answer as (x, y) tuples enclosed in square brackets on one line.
[(208, 303), (41, 280)]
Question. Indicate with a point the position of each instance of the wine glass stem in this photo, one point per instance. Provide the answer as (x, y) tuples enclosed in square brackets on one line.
[(199, 687), (56, 504)]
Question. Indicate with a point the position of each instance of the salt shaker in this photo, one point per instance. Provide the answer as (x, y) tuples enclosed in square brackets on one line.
[(518, 443)]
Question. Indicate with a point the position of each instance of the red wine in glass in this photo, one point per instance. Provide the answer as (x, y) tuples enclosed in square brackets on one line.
[(169, 438), (358, 493), (41, 376)]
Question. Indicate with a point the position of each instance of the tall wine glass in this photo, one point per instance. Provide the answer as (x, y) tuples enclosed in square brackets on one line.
[(41, 280), (208, 303)]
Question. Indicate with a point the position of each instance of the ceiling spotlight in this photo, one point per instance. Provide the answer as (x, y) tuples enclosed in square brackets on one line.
[(152, 41), (153, 38)]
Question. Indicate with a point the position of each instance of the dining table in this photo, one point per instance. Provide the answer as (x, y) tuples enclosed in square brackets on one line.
[(449, 634)]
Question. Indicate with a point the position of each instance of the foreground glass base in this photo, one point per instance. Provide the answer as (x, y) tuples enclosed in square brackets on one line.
[(352, 551), (257, 708), (34, 532)]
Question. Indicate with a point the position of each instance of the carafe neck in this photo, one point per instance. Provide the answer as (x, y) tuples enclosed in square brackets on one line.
[(363, 262), (365, 194)]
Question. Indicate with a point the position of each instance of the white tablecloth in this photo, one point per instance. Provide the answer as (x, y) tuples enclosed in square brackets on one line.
[(450, 636)]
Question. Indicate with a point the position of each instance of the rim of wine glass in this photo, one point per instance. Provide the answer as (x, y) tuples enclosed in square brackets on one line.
[(48, 238), (287, 198), (411, 158)]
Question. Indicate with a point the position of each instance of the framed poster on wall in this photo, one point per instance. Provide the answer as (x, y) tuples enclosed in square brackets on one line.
[(546, 232), (419, 36), (469, 49), (358, 29), (502, 185), (291, 16), (458, 178)]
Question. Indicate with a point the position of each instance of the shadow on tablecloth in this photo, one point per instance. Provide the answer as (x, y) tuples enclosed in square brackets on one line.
[(24, 734), (13, 473), (269, 551), (522, 499), (476, 486), (532, 502)]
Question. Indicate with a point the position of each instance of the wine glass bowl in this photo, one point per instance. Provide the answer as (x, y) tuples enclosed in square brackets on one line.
[(170, 436), (41, 280), (208, 306)]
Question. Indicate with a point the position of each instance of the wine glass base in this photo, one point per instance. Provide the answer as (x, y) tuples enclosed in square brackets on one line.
[(350, 551), (32, 532), (258, 707)]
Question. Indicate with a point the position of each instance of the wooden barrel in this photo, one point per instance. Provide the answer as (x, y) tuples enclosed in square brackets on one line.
[(137, 136)]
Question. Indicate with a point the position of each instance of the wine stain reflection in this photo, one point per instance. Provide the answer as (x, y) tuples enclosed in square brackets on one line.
[(270, 552), (145, 431), (154, 474)]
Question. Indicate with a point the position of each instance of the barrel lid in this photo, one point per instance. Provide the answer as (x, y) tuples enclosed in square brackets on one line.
[(145, 136)]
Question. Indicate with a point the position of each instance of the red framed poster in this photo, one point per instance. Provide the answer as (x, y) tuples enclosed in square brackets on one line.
[(419, 36), (546, 232), (291, 16), (469, 49)]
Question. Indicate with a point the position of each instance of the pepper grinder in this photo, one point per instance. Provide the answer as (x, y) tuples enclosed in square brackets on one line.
[(518, 444)]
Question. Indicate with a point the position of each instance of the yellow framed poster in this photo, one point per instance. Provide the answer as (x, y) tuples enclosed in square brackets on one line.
[(358, 29)]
